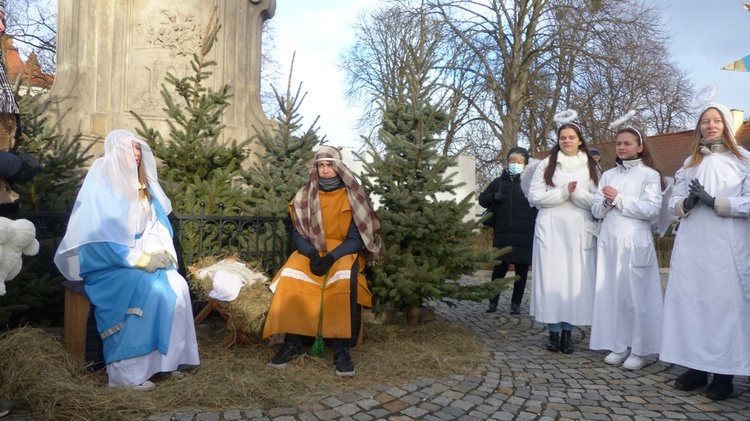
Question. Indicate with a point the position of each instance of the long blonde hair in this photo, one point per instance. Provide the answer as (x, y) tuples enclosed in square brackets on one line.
[(143, 181), (727, 138)]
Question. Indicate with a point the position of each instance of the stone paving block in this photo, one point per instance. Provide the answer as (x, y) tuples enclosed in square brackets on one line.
[(367, 404), (362, 417), (210, 416), (326, 414), (253, 413), (307, 416), (347, 409), (378, 413), (395, 406), (161, 417), (394, 391), (414, 412), (463, 404), (232, 415)]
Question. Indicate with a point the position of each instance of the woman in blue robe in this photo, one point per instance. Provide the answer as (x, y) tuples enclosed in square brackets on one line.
[(119, 243)]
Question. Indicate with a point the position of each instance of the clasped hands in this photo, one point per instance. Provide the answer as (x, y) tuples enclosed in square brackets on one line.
[(159, 260), (320, 265), (697, 193)]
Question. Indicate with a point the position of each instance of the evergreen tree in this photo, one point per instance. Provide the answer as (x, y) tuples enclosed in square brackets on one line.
[(34, 295), (282, 167), (427, 242), (198, 171)]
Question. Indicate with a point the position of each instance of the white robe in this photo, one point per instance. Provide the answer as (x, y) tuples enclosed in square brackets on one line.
[(564, 255), (183, 344), (628, 298), (707, 302)]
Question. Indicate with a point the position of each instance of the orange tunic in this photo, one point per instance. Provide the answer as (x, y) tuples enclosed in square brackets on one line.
[(295, 307)]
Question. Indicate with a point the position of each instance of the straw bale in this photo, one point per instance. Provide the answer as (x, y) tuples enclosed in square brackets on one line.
[(248, 310)]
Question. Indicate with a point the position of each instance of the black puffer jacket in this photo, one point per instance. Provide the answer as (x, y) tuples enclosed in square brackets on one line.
[(513, 218)]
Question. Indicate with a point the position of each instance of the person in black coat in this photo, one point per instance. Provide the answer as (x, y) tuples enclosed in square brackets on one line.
[(513, 225)]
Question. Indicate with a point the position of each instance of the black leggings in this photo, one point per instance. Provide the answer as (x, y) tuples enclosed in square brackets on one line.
[(518, 287)]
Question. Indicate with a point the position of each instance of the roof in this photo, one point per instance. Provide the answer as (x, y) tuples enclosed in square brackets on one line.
[(669, 150), (29, 69)]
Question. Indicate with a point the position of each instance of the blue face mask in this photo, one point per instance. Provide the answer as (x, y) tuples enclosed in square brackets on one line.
[(515, 169)]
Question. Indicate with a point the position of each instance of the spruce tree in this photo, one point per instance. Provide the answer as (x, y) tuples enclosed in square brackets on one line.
[(287, 149), (196, 167), (34, 295), (427, 242)]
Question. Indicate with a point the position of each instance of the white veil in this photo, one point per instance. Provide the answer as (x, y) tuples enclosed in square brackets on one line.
[(106, 207)]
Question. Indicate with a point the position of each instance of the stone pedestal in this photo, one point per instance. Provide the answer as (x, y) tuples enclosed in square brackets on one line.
[(113, 56)]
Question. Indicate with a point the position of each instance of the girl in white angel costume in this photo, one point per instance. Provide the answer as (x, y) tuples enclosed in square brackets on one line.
[(564, 253), (119, 243), (707, 302), (628, 301)]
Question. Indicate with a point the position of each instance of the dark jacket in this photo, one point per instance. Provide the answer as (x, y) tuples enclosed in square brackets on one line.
[(513, 218)]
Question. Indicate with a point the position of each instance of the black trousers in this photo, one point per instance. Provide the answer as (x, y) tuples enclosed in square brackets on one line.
[(519, 286)]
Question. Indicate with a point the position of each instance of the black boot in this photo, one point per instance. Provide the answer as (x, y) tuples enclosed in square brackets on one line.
[(515, 308), (493, 304), (720, 388), (691, 380), (553, 343), (566, 342)]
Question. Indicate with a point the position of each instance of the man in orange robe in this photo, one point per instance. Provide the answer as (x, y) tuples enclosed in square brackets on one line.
[(335, 228)]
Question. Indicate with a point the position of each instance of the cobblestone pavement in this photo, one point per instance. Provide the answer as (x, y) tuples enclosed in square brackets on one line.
[(519, 381)]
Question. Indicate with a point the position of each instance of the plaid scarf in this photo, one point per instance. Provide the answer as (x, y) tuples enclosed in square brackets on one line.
[(8, 103), (306, 206)]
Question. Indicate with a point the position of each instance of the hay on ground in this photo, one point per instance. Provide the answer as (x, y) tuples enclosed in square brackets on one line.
[(40, 376)]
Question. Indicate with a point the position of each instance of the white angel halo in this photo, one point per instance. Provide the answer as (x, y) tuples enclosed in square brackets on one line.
[(622, 119), (565, 117), (703, 97)]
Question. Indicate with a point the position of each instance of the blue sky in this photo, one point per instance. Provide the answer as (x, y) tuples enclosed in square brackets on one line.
[(706, 36)]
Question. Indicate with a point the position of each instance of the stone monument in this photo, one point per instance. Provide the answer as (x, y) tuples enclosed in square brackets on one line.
[(112, 57)]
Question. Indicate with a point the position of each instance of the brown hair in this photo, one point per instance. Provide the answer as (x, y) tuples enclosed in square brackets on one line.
[(696, 157), (552, 166), (645, 155)]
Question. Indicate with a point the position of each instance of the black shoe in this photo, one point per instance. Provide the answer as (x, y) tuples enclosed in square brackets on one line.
[(720, 388), (6, 407), (343, 362), (553, 343), (493, 304), (286, 353), (566, 342), (515, 308), (691, 380)]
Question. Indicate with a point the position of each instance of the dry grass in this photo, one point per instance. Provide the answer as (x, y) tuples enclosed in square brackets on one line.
[(39, 375)]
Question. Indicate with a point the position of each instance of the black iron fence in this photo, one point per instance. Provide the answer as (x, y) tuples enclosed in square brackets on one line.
[(263, 240)]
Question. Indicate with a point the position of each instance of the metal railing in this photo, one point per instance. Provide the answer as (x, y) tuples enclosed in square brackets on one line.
[(265, 241)]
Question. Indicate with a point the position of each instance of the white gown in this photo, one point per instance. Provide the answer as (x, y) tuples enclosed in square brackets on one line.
[(628, 298), (183, 344), (707, 302), (564, 257)]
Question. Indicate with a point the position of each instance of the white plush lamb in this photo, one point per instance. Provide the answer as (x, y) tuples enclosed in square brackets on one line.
[(16, 237)]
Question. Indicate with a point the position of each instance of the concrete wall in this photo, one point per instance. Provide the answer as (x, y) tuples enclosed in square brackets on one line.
[(113, 57)]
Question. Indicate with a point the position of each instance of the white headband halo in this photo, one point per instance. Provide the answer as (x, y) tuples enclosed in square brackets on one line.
[(704, 97)]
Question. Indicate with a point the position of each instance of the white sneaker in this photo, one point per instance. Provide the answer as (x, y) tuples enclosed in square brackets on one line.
[(147, 385), (634, 362), (617, 358)]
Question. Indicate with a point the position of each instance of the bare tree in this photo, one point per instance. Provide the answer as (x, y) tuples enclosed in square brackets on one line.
[(33, 26), (381, 62)]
